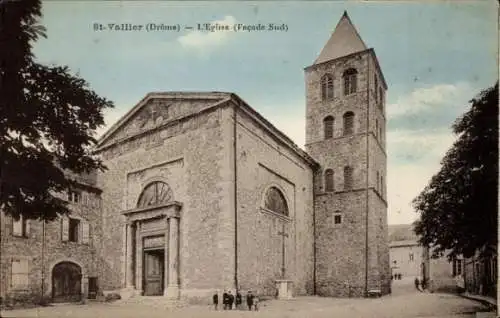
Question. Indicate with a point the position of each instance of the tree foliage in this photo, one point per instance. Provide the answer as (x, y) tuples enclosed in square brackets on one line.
[(48, 118), (458, 208)]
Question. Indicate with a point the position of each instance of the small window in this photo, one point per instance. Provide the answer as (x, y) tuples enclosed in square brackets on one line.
[(411, 257), (457, 267), (376, 128), (347, 178), (376, 88), (327, 87), (74, 196), (350, 81), (329, 184), (328, 126), (377, 181), (19, 273), (348, 123), (20, 227), (337, 219), (74, 230), (382, 185)]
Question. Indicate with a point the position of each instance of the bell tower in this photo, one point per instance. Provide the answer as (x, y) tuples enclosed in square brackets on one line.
[(345, 133)]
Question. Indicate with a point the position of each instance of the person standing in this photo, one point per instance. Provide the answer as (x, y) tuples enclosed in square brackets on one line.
[(215, 299), (238, 300), (256, 302), (225, 300), (459, 279), (230, 300), (249, 300), (417, 283)]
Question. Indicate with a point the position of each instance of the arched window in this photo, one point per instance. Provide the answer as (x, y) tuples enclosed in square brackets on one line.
[(329, 184), (328, 126), (155, 193), (347, 178), (327, 87), (275, 201), (348, 123), (350, 81)]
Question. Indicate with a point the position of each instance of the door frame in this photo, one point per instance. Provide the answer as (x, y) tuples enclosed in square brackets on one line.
[(144, 268), (53, 278)]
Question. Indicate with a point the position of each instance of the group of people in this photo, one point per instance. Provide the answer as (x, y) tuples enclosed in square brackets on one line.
[(229, 300), (396, 276)]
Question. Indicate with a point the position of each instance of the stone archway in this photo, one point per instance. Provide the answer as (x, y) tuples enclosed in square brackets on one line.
[(66, 282)]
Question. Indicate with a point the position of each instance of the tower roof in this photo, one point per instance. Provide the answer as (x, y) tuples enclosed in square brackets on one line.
[(345, 40)]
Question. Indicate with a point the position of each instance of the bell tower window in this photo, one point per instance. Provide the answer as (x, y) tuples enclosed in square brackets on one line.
[(327, 87), (328, 126), (329, 184), (348, 123), (350, 81)]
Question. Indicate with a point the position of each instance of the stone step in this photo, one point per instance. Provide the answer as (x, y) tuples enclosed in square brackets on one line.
[(153, 301)]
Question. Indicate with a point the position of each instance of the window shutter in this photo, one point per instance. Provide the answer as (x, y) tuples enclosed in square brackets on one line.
[(85, 232), (19, 273), (64, 229), (17, 226), (8, 224), (27, 229)]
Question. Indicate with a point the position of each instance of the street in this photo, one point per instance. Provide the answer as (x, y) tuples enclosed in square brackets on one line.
[(405, 301)]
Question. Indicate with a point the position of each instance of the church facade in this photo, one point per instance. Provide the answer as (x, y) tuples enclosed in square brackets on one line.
[(203, 193), (198, 188)]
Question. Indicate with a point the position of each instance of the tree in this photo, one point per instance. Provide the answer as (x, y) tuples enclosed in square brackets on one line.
[(48, 120), (458, 208)]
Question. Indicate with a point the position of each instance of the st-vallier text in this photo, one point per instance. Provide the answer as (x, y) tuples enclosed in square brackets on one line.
[(149, 27), (202, 27)]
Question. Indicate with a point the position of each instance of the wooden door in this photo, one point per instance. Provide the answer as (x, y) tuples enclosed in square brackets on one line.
[(153, 272), (66, 282)]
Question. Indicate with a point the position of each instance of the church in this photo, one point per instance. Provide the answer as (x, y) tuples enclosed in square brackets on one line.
[(202, 193)]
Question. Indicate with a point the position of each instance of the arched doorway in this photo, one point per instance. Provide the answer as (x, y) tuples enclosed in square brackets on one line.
[(66, 282)]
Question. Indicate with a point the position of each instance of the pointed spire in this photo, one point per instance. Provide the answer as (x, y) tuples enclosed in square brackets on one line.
[(345, 40)]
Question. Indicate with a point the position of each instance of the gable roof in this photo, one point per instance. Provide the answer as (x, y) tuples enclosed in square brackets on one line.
[(345, 40), (215, 99), (402, 232)]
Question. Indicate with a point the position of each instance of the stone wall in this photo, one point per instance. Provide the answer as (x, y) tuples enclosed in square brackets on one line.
[(262, 162), (190, 156), (55, 250), (340, 248), (404, 265), (341, 266)]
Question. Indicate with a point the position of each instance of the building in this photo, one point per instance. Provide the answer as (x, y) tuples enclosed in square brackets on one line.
[(203, 193), (480, 274), (345, 132), (405, 253), (56, 259), (477, 274)]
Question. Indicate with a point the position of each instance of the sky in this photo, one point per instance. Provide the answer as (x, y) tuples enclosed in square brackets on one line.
[(435, 57)]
